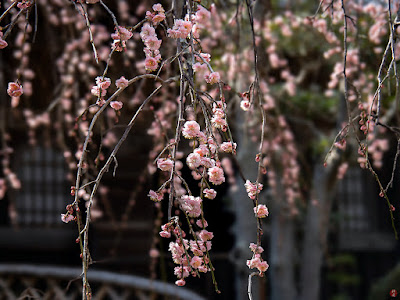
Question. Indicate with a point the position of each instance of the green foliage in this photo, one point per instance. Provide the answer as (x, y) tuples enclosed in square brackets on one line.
[(381, 289), (343, 274)]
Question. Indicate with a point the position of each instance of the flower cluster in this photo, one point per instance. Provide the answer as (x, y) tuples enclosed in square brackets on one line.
[(191, 205), (190, 255), (180, 30), (253, 189), (218, 119), (256, 261), (120, 36), (100, 89), (157, 16), (152, 43), (204, 154)]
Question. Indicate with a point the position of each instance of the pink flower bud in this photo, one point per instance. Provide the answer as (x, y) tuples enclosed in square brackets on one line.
[(14, 89)]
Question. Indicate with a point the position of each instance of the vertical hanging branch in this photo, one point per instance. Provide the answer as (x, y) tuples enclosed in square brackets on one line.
[(254, 189), (364, 148)]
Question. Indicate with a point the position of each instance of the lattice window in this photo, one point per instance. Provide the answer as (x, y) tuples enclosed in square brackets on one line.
[(44, 192), (354, 201)]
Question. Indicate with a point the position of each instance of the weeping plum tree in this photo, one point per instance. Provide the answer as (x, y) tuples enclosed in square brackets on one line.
[(247, 93)]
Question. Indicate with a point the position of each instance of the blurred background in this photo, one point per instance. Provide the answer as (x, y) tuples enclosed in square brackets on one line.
[(329, 235)]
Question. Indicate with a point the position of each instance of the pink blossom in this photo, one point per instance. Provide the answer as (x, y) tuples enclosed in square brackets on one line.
[(103, 83), (181, 29), (342, 170), (219, 122), (205, 235), (165, 234), (180, 282), (203, 57), (151, 64), (177, 251), (147, 31), (252, 189), (254, 261), (202, 150), (256, 249), (262, 266), (24, 4), (257, 262), (158, 7), (118, 45), (154, 196), (191, 205), (98, 92), (212, 78), (200, 68), (196, 261), (158, 18), (198, 248), (193, 160), (165, 164), (182, 272), (122, 82), (14, 89), (117, 105), (202, 15), (154, 253), (207, 162), (228, 147), (216, 175), (210, 193), (121, 34), (261, 211), (152, 42), (67, 218), (3, 43), (191, 129), (202, 223), (203, 269)]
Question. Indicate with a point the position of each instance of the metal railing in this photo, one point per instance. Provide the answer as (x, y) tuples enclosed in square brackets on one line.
[(22, 281)]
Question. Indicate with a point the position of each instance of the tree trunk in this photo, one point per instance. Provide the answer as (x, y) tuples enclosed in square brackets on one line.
[(282, 247), (316, 231)]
